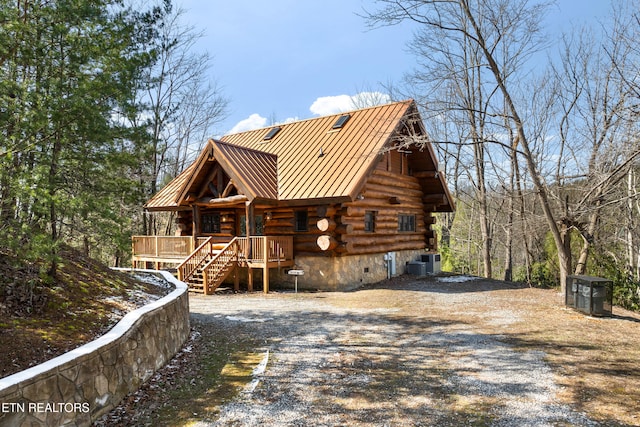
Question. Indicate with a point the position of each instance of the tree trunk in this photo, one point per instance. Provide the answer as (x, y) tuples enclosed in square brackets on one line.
[(587, 239), (564, 256), (632, 257), (53, 213), (508, 245), (485, 226)]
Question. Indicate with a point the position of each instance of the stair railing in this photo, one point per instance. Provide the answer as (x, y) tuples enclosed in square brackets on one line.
[(198, 257), (219, 267)]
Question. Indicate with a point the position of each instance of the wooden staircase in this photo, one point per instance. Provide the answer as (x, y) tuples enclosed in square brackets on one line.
[(209, 265)]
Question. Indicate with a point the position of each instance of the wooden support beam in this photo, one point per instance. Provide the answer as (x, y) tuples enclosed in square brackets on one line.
[(208, 180), (265, 271), (195, 225), (227, 189), (220, 181), (248, 221)]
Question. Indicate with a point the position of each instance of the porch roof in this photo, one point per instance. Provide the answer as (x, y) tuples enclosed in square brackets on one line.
[(255, 172)]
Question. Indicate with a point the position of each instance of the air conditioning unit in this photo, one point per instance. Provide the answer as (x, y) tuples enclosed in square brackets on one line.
[(417, 268), (432, 261)]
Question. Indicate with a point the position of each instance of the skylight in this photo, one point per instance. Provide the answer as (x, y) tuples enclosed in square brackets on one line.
[(271, 133), (341, 121)]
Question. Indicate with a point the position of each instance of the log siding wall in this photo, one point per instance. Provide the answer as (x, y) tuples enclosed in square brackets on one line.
[(342, 231), (389, 195)]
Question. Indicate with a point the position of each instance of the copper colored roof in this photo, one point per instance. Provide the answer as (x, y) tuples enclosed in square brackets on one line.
[(304, 160), (255, 172), (316, 161)]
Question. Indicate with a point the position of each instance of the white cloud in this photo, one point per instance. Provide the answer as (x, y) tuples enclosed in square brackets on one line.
[(288, 120), (254, 121), (326, 105)]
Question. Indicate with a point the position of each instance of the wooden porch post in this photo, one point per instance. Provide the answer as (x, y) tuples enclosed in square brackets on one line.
[(248, 221), (205, 280), (195, 223), (265, 274), (248, 218)]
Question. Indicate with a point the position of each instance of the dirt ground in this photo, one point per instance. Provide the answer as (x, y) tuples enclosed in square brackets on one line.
[(438, 351)]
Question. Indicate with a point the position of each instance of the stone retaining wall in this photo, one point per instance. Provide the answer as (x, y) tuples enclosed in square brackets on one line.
[(78, 387)]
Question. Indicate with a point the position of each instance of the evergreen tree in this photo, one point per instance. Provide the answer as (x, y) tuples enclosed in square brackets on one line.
[(68, 70)]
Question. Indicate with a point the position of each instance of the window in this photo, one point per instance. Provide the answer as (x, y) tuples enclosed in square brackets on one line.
[(341, 121), (302, 221), (406, 222), (370, 221), (272, 133), (211, 223)]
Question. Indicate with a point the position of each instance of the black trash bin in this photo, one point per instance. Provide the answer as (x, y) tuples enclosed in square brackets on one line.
[(571, 292), (591, 295)]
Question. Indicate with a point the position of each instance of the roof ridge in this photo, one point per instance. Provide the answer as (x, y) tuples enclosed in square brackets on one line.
[(406, 101)]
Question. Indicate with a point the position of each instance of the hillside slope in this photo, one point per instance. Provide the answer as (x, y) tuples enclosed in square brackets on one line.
[(42, 318)]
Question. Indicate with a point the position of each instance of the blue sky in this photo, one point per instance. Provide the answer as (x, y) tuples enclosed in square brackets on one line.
[(279, 60)]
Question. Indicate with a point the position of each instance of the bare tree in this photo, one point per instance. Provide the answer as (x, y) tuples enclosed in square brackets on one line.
[(632, 212), (598, 139), (475, 48), (505, 32), (183, 105), (626, 31)]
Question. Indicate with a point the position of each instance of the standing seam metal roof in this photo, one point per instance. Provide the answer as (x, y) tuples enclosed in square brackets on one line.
[(348, 152), (256, 172), (289, 166)]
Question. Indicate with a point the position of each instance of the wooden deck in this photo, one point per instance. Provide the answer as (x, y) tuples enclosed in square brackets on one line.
[(162, 249), (205, 262)]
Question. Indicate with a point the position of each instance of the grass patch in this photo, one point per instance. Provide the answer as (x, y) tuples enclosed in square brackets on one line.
[(215, 372)]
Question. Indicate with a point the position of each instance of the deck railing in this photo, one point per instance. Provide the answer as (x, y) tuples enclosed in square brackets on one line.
[(165, 247), (276, 248), (196, 259), (219, 267), (185, 250), (162, 246)]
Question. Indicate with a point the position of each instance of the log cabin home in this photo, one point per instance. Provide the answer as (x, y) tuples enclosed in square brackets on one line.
[(344, 198)]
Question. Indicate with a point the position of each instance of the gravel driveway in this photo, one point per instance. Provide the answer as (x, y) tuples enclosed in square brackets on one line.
[(416, 352)]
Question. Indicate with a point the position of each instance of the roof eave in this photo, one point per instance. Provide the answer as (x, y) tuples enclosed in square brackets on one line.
[(204, 155)]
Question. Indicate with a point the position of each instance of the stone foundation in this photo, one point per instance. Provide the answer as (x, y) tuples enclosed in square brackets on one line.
[(80, 386), (342, 273)]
